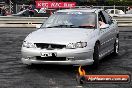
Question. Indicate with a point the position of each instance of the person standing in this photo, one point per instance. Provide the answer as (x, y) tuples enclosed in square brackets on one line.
[(3, 11), (31, 10), (22, 8)]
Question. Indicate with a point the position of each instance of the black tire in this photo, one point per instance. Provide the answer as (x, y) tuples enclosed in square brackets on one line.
[(96, 55), (116, 47)]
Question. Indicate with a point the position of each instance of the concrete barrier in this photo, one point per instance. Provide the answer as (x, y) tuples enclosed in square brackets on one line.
[(9, 21)]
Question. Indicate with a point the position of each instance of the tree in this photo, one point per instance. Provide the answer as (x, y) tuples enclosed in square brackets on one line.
[(117, 2)]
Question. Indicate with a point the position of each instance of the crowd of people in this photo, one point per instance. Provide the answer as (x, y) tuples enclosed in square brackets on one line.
[(5, 11)]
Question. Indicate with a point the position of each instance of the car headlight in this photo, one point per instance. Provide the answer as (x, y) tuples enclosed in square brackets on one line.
[(28, 45), (76, 45)]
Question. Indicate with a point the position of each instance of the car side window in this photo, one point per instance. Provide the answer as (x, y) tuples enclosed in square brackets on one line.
[(112, 11), (101, 17), (107, 17), (116, 11)]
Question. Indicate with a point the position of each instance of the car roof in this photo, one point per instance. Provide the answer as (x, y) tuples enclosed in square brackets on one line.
[(80, 9)]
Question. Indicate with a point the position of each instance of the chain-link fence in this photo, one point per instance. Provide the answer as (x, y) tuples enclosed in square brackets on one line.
[(123, 8), (17, 8)]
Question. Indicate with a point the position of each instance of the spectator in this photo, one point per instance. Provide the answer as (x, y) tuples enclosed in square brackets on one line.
[(22, 8), (3, 11), (7, 12), (129, 10), (31, 10), (129, 7)]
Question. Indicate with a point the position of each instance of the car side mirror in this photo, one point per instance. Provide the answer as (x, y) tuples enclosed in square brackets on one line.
[(38, 26), (104, 26)]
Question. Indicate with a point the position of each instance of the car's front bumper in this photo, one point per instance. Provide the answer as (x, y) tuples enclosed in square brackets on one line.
[(73, 56), (69, 62)]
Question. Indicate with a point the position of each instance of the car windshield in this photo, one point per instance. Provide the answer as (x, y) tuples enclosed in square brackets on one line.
[(71, 20)]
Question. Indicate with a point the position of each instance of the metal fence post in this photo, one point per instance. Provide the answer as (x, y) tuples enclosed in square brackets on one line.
[(114, 9), (11, 7), (16, 8)]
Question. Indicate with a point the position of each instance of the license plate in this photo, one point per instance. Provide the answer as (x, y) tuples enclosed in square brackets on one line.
[(44, 54)]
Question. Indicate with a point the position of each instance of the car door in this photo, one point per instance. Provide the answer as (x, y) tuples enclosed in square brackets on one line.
[(104, 36), (112, 30)]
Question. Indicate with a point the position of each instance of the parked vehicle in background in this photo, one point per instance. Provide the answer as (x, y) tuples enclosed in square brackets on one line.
[(128, 14), (114, 12), (37, 13), (72, 37), (129, 11)]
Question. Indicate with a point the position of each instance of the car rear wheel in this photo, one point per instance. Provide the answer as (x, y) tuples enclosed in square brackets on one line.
[(116, 46), (96, 55)]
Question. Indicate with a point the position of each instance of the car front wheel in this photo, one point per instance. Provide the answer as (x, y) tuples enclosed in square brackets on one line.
[(96, 55), (116, 46)]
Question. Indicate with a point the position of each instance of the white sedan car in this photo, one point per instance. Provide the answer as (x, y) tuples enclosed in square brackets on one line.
[(114, 12), (128, 14), (72, 37)]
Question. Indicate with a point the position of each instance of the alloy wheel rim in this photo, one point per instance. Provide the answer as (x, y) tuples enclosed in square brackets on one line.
[(117, 45)]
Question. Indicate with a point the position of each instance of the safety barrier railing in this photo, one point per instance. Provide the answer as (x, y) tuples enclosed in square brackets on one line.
[(32, 21)]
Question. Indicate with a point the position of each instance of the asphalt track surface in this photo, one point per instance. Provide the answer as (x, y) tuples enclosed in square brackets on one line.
[(13, 74)]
